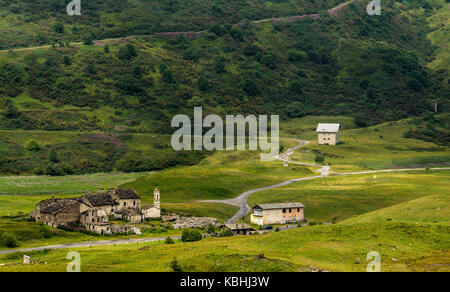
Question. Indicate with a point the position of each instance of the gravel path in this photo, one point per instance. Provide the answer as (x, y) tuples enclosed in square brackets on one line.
[(241, 200)]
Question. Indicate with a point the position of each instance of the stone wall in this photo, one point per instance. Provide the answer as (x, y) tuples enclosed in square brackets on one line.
[(195, 222)]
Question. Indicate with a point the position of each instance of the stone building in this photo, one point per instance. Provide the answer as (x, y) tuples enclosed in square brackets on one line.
[(277, 213), (130, 215), (153, 211), (328, 134), (102, 201), (92, 211), (239, 228), (56, 212), (125, 198)]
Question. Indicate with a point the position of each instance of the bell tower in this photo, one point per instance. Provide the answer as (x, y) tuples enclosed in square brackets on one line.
[(157, 199)]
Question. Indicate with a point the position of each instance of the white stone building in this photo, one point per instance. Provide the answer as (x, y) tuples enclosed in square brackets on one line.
[(328, 134)]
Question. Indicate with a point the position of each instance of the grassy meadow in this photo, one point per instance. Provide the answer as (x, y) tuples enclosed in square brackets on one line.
[(341, 197), (416, 244), (71, 184), (377, 147), (223, 175)]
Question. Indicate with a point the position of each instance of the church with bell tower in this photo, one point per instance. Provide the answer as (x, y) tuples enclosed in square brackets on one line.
[(153, 211)]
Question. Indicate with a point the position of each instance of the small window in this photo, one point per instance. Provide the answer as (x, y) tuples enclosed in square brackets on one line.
[(298, 209), (284, 210), (290, 210), (124, 203), (134, 203)]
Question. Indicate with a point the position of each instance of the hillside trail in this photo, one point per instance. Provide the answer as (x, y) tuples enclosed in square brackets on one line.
[(333, 12), (324, 170)]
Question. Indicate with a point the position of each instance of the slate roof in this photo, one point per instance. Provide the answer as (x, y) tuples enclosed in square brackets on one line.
[(279, 206), (100, 199), (126, 194), (328, 128), (55, 206)]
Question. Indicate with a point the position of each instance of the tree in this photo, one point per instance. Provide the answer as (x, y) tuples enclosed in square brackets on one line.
[(8, 240), (54, 156), (319, 159), (203, 84), (195, 101), (236, 34), (33, 146), (58, 27), (251, 88), (169, 240), (88, 40), (168, 76), (190, 235), (11, 111), (219, 65), (175, 266), (251, 50), (296, 87), (296, 56), (226, 233), (211, 229), (364, 84), (67, 61), (127, 52), (106, 49)]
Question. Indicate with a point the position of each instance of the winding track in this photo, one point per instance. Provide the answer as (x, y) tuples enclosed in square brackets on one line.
[(241, 200), (333, 12)]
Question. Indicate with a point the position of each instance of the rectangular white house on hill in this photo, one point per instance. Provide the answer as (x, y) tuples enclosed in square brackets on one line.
[(328, 134)]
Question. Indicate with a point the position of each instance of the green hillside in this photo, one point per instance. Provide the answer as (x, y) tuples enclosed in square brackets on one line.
[(337, 198), (26, 22), (371, 69)]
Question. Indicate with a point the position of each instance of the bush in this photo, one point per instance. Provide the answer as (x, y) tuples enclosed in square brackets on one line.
[(127, 52), (211, 229), (319, 159), (33, 146), (169, 240), (190, 235), (226, 233), (46, 232), (8, 240), (175, 266)]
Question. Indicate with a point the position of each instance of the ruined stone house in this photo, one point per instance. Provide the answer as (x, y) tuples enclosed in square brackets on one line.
[(92, 211)]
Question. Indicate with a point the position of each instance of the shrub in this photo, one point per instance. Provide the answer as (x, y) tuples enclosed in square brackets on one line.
[(127, 52), (319, 159), (11, 111), (211, 229), (251, 88), (175, 266), (46, 232), (203, 83), (168, 76), (226, 233), (190, 235), (8, 240), (169, 240), (33, 146)]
